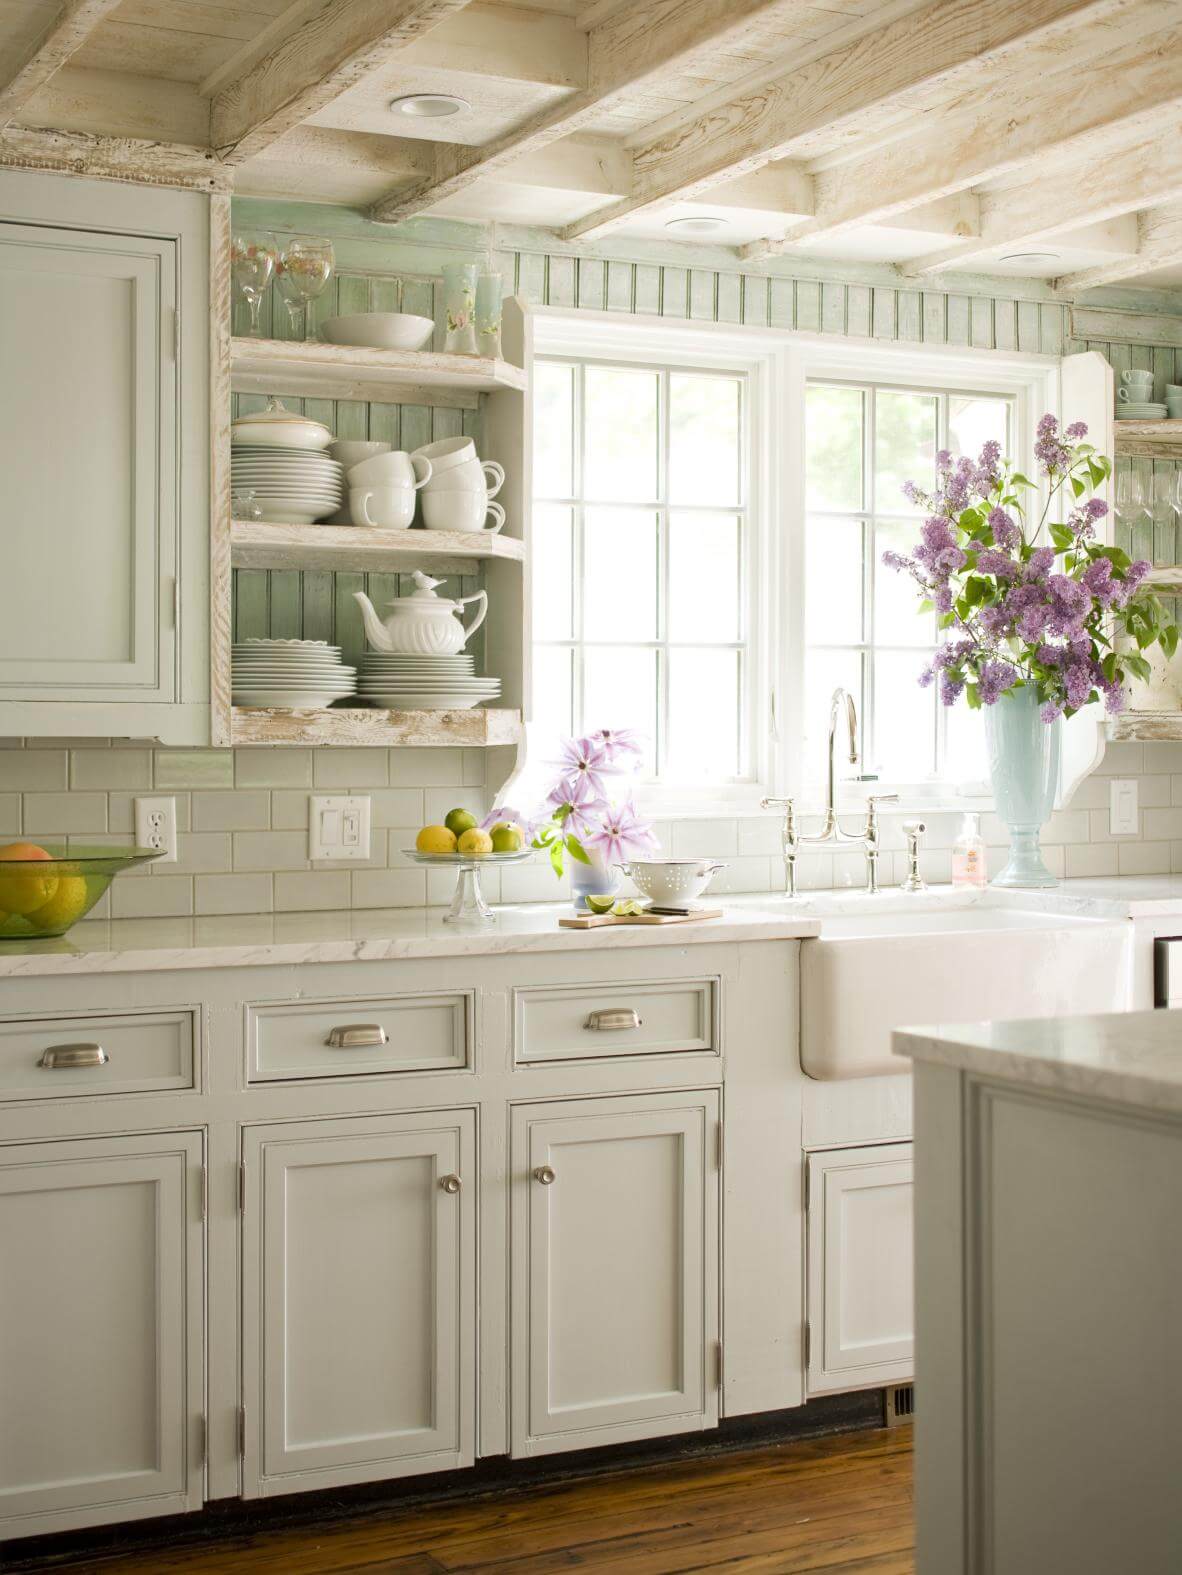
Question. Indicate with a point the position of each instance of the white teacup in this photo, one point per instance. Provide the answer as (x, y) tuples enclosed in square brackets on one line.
[(474, 475), (1173, 391), (467, 511), (349, 451), (445, 453), (394, 469), (386, 508), (1174, 407), (1137, 374), (1138, 394)]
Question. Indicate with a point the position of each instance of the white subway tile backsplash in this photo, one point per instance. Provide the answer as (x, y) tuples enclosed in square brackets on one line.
[(111, 768), (289, 809), (167, 897), (350, 768), (244, 811), (426, 768), (285, 768), (270, 850), (705, 839), (33, 770), (10, 812), (389, 888), (1143, 858), (200, 853), (311, 889), (214, 894), (1090, 859), (58, 812), (438, 801), (399, 807), (194, 768), (1160, 823)]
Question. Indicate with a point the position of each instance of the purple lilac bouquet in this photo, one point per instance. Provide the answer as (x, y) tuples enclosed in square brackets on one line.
[(580, 814), (1064, 617)]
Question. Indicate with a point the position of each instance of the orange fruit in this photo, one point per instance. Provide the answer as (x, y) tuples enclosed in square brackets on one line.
[(30, 889)]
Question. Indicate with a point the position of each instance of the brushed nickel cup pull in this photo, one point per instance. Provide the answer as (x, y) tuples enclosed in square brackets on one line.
[(62, 1056), (356, 1036), (613, 1021), (450, 1183), (545, 1174)]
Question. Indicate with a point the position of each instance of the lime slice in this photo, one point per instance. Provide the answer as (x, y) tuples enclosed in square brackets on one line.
[(628, 908), (599, 903)]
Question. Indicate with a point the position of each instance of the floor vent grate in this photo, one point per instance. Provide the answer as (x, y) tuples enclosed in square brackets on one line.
[(900, 1404)]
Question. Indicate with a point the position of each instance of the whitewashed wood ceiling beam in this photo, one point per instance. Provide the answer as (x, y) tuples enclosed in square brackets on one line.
[(113, 158), (1124, 94), (1087, 191), (21, 79), (1160, 237), (841, 92), (330, 52), (630, 46)]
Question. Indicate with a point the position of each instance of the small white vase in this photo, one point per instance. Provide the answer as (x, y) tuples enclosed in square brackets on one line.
[(594, 880)]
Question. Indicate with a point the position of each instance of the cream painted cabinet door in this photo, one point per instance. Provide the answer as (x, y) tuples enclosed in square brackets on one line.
[(101, 1338), (360, 1299), (615, 1285), (861, 1266), (87, 440)]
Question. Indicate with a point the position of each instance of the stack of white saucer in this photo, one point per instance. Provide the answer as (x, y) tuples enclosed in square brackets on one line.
[(295, 674), (424, 683)]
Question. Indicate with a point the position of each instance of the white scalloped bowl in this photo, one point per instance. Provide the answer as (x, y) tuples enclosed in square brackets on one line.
[(379, 330)]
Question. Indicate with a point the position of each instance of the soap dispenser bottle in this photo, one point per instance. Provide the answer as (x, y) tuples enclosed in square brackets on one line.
[(968, 854)]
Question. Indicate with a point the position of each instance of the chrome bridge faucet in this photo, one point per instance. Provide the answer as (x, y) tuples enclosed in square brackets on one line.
[(792, 841)]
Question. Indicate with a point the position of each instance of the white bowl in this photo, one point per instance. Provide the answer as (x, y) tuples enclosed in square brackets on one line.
[(379, 330), (671, 883)]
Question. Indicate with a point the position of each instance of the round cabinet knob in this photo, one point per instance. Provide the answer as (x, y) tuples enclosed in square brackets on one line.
[(544, 1174), (450, 1183)]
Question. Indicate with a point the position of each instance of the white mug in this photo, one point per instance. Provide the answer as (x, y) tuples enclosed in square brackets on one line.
[(474, 475), (445, 453), (466, 511), (349, 452), (386, 508), (395, 469)]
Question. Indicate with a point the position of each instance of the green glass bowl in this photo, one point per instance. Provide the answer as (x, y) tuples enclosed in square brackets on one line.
[(40, 898)]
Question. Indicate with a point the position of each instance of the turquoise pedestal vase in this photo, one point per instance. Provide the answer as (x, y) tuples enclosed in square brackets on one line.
[(1024, 766)]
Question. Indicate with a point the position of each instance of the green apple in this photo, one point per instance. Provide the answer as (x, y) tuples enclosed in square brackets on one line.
[(459, 820), (507, 839)]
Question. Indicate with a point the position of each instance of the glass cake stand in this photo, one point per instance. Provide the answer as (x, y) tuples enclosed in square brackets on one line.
[(468, 905)]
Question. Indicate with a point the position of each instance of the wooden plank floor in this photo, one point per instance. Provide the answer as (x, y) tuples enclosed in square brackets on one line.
[(841, 1505)]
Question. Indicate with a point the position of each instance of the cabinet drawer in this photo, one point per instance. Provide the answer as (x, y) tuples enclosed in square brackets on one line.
[(582, 1023), (356, 1038), (52, 1058)]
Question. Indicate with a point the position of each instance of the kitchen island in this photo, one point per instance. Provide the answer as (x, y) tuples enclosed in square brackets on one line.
[(1048, 1183)]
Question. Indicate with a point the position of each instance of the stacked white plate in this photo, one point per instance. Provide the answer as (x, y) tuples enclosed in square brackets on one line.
[(1147, 411), (424, 683), (298, 674), (291, 485)]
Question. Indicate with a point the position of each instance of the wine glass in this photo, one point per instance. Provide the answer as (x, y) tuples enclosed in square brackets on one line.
[(1163, 492), (1130, 494), (252, 264), (303, 269)]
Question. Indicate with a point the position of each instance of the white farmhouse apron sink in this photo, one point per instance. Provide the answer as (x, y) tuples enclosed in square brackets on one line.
[(875, 970)]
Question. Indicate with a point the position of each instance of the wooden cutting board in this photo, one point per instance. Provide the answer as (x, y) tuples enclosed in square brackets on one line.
[(595, 921)]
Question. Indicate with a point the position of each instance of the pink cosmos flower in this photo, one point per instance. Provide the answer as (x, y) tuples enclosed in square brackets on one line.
[(585, 758)]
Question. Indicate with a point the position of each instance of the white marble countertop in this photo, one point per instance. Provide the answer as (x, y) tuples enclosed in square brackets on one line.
[(1125, 1058), (251, 940), (1104, 897)]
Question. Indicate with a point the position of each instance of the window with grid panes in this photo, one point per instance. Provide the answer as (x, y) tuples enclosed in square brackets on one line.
[(639, 546), (862, 625)]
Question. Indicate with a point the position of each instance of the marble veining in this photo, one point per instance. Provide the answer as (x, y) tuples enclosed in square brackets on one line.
[(359, 935), (1125, 1058)]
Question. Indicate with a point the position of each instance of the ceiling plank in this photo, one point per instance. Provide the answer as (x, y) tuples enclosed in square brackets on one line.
[(947, 43), (65, 35), (1160, 236), (327, 54), (113, 158), (1087, 191), (1112, 99), (628, 47)]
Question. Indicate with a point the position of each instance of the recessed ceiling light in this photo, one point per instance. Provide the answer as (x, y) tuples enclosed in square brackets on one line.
[(1033, 258), (697, 224), (429, 106)]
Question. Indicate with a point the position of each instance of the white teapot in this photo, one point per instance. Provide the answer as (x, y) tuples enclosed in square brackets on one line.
[(421, 624)]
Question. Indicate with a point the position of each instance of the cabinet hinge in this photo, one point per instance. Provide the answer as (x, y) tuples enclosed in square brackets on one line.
[(808, 1342), (242, 1431), (205, 1192), (718, 1144), (242, 1189)]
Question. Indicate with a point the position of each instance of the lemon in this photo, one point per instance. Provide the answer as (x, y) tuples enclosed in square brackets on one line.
[(65, 907), (476, 841), (459, 820), (436, 839), (30, 889), (506, 838), (599, 903)]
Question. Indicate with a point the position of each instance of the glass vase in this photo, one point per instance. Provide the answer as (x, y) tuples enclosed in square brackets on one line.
[(489, 289), (1024, 767), (459, 305), (591, 880)]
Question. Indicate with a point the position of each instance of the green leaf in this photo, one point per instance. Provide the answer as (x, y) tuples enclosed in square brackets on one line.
[(1062, 537), (1168, 639), (973, 695), (576, 850), (1078, 487), (556, 857)]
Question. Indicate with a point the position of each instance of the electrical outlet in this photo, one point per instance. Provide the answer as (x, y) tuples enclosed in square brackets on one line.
[(155, 826), (1122, 809), (338, 828)]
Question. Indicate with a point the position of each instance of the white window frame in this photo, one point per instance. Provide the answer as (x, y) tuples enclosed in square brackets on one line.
[(778, 364)]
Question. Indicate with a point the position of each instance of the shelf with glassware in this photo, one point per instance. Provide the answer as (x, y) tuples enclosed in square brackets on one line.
[(497, 389), (1147, 439)]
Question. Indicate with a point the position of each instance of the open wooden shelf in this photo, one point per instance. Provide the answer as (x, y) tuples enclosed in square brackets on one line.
[(1147, 439), (1140, 727), (1166, 582), (400, 377), (255, 545), (478, 728)]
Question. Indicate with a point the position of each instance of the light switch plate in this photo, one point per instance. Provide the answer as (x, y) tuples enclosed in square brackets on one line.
[(1122, 809), (338, 828)]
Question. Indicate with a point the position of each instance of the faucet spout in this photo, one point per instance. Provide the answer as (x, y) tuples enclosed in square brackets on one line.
[(841, 698)]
